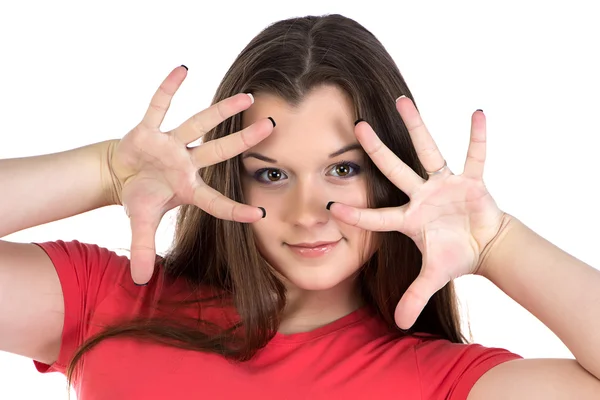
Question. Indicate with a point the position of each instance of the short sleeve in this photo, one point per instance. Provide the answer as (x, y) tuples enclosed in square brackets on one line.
[(450, 370), (87, 273)]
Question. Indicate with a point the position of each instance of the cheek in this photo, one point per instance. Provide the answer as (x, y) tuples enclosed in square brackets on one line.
[(255, 195), (355, 195), (272, 202), (260, 230), (264, 228)]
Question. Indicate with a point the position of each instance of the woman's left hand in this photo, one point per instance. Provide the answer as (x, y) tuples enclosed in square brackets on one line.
[(451, 218)]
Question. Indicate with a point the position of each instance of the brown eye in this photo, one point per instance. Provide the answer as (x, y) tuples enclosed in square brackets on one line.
[(267, 175), (273, 175), (342, 170)]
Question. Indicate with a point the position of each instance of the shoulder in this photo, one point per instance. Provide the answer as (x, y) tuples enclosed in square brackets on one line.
[(90, 274), (450, 370)]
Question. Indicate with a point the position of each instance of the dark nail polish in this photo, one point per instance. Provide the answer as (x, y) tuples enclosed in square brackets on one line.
[(141, 284), (273, 122), (479, 109), (264, 211), (357, 121), (329, 204), (186, 68)]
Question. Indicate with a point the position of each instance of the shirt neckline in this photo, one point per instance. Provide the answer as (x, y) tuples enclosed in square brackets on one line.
[(340, 323)]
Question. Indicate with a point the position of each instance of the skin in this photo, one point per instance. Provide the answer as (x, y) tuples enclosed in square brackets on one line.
[(452, 219), (454, 222), (295, 190)]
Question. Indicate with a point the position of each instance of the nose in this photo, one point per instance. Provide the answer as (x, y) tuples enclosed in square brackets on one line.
[(306, 205)]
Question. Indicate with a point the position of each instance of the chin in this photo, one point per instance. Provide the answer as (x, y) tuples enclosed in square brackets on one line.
[(320, 273), (312, 278), (315, 285)]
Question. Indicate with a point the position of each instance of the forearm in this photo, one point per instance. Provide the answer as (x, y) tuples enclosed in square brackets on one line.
[(46, 188), (560, 290)]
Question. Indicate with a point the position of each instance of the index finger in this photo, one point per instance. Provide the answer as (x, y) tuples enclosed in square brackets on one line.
[(197, 125), (372, 219), (226, 147), (400, 174)]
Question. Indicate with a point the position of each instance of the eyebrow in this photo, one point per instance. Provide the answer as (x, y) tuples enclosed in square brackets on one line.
[(350, 147)]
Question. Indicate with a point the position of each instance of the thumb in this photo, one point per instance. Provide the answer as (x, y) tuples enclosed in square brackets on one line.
[(143, 250), (415, 298)]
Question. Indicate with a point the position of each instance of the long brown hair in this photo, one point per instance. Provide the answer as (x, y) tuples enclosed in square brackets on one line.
[(288, 59)]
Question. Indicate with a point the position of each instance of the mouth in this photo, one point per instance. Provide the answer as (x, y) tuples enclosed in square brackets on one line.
[(312, 250)]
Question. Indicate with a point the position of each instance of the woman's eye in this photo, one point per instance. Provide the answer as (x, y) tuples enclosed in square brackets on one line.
[(344, 170), (267, 175), (274, 175)]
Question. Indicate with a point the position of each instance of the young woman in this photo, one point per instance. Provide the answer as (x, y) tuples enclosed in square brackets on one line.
[(318, 236)]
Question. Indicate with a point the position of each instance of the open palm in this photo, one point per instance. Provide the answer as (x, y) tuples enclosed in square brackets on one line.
[(153, 171), (451, 218)]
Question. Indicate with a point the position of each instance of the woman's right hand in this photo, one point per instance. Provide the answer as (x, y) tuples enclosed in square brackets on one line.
[(154, 172)]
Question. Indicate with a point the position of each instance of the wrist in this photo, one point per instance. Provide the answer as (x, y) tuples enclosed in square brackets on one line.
[(111, 185), (489, 254)]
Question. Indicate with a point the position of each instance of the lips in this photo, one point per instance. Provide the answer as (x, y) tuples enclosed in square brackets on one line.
[(313, 244), (313, 249)]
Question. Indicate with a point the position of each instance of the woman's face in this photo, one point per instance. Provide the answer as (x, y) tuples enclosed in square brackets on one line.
[(293, 174)]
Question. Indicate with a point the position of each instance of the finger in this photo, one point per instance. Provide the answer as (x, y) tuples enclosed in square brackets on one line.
[(427, 150), (477, 147), (162, 98), (388, 163), (197, 126), (415, 299), (218, 150), (379, 220), (222, 207), (143, 251)]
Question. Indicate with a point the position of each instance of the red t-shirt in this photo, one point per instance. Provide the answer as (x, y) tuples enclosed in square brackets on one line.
[(354, 357)]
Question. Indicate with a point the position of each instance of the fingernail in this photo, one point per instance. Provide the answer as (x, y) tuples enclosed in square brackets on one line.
[(186, 68), (251, 97), (479, 109), (141, 284), (400, 98), (273, 121), (357, 121), (329, 204), (264, 211)]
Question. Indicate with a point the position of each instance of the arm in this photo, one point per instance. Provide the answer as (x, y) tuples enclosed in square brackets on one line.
[(50, 187), (459, 229), (46, 188), (38, 190), (564, 293)]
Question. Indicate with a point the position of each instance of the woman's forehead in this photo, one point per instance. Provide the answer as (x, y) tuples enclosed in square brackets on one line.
[(323, 103)]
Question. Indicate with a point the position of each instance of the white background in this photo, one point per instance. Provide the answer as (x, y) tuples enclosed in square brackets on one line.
[(74, 73)]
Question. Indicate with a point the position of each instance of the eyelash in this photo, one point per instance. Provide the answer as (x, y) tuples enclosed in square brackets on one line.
[(355, 168)]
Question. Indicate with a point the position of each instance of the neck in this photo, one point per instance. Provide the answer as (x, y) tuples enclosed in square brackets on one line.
[(310, 309)]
